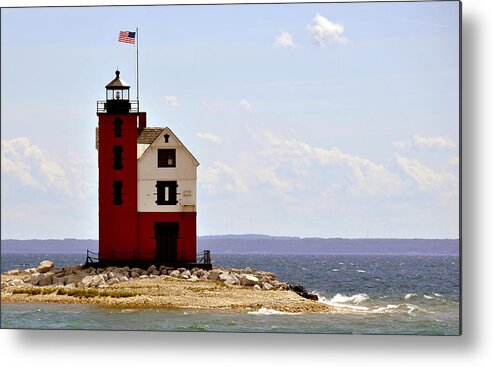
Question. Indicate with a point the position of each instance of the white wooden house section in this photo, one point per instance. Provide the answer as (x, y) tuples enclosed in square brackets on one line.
[(184, 173)]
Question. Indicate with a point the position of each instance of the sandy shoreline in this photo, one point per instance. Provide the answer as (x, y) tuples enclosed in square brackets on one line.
[(164, 292)]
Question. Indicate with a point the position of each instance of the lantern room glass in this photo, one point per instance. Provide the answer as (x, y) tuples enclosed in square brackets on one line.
[(117, 94)]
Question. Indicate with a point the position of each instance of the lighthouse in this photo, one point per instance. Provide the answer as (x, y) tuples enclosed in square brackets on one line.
[(147, 187)]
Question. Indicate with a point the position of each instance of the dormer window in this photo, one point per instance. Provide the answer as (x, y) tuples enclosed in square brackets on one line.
[(166, 158)]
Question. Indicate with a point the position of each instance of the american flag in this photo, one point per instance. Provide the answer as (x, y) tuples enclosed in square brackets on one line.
[(127, 37)]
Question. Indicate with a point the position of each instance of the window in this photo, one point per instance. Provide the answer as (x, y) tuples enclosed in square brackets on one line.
[(117, 157), (118, 127), (166, 192), (117, 193), (166, 158)]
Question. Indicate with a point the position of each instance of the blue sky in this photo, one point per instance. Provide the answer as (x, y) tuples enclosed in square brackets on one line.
[(330, 120)]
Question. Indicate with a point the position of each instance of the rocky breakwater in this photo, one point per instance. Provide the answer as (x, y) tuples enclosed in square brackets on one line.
[(46, 274)]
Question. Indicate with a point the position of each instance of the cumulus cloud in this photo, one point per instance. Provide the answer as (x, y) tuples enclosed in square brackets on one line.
[(221, 177), (366, 176), (19, 157), (441, 142), (215, 139), (244, 104), (427, 179), (285, 39), (32, 167), (434, 141), (453, 161), (269, 176), (325, 32), (173, 101)]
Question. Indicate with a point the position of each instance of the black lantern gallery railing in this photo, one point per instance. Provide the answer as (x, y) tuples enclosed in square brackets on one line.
[(132, 106)]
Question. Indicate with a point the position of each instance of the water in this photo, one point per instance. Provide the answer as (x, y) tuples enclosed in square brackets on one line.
[(372, 294)]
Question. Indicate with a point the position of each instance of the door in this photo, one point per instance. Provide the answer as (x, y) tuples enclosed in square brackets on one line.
[(166, 234)]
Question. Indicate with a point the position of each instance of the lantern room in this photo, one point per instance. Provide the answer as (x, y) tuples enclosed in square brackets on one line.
[(117, 95)]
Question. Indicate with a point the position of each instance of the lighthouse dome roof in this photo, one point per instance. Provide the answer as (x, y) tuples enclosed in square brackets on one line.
[(117, 83)]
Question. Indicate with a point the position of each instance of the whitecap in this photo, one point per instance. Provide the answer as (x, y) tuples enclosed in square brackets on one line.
[(410, 295), (385, 309), (356, 299), (335, 269), (360, 271), (427, 297), (342, 306), (438, 295), (270, 311)]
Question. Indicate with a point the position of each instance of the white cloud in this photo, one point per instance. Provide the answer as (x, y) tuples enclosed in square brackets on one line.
[(366, 177), (441, 142), (173, 101), (215, 139), (285, 39), (434, 141), (325, 32), (453, 161), (19, 157), (33, 167), (221, 177), (211, 105), (269, 176), (245, 105), (427, 179)]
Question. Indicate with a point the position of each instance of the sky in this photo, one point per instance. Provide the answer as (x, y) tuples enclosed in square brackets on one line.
[(310, 120)]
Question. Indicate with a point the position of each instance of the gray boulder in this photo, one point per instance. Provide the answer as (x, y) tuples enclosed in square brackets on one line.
[(174, 274), (45, 266), (248, 280), (214, 274)]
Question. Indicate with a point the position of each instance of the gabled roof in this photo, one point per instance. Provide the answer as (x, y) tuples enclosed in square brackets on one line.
[(151, 134), (167, 129), (148, 135)]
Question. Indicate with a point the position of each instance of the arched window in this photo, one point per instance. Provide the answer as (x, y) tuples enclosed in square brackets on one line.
[(118, 127)]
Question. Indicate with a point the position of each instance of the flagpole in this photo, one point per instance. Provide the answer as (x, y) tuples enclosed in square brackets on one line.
[(137, 45)]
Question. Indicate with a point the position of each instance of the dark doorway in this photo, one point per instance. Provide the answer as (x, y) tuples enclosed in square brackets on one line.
[(166, 234)]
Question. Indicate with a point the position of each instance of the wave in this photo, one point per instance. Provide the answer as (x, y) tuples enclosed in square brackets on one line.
[(360, 271), (270, 311), (352, 304), (340, 301)]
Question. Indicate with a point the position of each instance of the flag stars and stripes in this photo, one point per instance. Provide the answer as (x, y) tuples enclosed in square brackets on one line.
[(127, 37)]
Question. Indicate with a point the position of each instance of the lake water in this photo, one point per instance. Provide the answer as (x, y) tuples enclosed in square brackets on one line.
[(372, 294)]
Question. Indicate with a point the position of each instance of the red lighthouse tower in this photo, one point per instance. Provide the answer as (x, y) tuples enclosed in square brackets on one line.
[(147, 187)]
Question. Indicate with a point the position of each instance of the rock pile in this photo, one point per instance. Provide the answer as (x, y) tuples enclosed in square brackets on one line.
[(77, 276)]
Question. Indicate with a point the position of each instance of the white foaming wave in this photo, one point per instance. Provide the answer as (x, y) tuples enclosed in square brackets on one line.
[(351, 304), (410, 296), (356, 299), (343, 303), (360, 271), (427, 297), (335, 269), (270, 311), (438, 295)]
